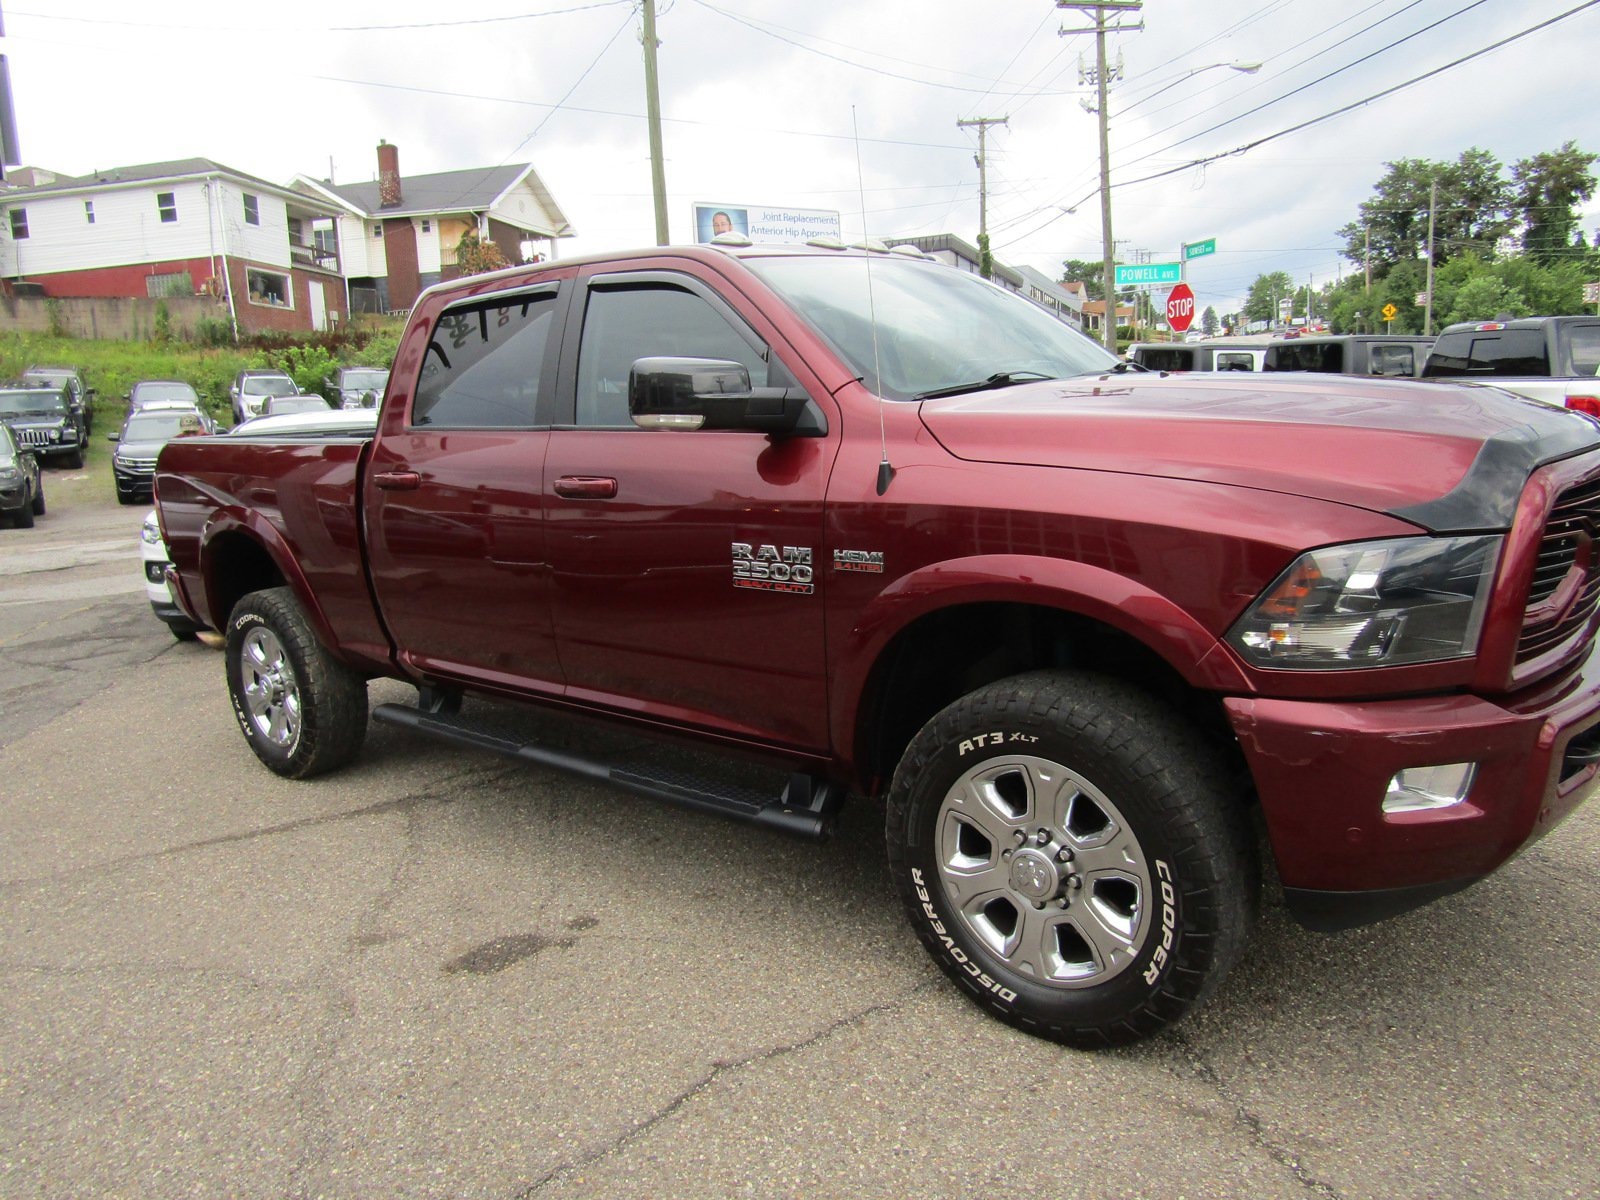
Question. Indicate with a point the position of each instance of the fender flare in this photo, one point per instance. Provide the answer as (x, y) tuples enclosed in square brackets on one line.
[(235, 519), (1070, 587)]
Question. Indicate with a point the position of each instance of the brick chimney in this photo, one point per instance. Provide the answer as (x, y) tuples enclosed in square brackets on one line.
[(388, 175)]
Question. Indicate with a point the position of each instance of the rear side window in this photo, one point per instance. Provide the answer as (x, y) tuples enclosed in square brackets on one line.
[(1165, 358), (624, 324), (1586, 350), (1394, 360), (1235, 360), (484, 363), (1325, 357), (1500, 352)]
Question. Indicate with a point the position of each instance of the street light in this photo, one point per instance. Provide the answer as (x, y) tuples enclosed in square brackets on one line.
[(1108, 246)]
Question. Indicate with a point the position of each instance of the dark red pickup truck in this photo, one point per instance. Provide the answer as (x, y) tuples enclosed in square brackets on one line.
[(874, 527)]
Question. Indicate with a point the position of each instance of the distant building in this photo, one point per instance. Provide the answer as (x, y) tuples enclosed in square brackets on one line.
[(953, 252), (183, 228), (1064, 300), (399, 234)]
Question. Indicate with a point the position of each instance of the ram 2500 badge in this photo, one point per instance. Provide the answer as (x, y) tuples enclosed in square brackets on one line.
[(903, 536)]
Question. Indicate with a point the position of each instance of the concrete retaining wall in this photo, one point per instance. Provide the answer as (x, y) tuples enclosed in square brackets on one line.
[(127, 319)]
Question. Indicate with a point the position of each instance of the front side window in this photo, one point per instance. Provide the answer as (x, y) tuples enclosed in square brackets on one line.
[(624, 324), (268, 287), (167, 206), (484, 364), (1586, 350), (19, 223), (252, 210), (1398, 361)]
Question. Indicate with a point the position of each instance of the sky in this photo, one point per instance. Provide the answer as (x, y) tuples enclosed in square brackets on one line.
[(847, 105)]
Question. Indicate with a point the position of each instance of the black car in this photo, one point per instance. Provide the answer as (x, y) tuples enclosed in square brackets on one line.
[(80, 396), (42, 419), (143, 435), (148, 391), (21, 488)]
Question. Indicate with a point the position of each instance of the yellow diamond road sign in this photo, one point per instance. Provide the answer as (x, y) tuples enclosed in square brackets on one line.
[(1390, 312)]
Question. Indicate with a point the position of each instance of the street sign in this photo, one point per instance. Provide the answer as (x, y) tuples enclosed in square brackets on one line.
[(1199, 249), (1180, 308), (1389, 312), (1132, 275)]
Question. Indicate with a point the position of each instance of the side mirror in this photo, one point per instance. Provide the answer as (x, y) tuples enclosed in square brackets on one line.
[(710, 393)]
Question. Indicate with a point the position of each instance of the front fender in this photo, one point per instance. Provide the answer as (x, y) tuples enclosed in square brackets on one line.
[(1066, 586)]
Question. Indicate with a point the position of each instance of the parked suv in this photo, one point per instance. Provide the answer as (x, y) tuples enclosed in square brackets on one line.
[(252, 387), (1390, 355), (1554, 359), (21, 488), (1203, 356), (80, 396), (143, 435), (356, 387), (42, 419)]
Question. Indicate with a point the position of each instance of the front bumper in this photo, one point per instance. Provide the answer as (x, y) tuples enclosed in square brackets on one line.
[(1321, 771), (135, 481)]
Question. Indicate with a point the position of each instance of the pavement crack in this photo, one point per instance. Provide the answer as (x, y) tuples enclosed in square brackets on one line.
[(1250, 1122), (718, 1071), (444, 792)]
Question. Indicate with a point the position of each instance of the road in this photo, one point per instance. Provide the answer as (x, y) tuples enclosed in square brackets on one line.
[(436, 974)]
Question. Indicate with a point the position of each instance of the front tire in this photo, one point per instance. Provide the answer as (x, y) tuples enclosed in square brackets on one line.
[(1070, 854), (38, 501), (302, 711)]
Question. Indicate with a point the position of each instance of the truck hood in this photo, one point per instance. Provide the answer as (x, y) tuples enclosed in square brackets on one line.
[(1445, 457)]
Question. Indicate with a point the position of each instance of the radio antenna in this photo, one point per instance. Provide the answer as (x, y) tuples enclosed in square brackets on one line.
[(885, 471)]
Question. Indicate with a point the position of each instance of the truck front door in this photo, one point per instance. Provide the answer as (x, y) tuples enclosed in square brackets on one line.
[(686, 574)]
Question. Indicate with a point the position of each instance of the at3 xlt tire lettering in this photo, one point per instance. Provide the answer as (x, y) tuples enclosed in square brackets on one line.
[(1070, 854)]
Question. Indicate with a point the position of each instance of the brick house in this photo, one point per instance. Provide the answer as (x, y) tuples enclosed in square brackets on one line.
[(184, 228), (399, 235)]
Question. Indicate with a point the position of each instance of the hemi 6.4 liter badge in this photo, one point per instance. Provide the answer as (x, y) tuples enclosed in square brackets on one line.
[(772, 568), (868, 561)]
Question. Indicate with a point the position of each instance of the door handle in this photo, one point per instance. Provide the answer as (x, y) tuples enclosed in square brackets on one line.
[(398, 481), (586, 487)]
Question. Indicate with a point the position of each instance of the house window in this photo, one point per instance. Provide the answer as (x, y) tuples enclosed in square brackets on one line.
[(167, 206), (177, 283), (268, 287), (427, 225), (323, 238), (88, 211), (19, 223), (252, 210), (377, 230)]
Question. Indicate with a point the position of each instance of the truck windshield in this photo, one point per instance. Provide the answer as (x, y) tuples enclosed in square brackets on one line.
[(37, 400), (937, 328)]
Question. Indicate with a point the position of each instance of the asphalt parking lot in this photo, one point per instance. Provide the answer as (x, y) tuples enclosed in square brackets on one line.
[(437, 974)]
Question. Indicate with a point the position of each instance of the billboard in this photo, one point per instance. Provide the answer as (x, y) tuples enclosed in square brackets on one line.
[(761, 223)]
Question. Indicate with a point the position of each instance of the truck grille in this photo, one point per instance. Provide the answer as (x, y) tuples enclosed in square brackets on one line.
[(33, 437), (1569, 535)]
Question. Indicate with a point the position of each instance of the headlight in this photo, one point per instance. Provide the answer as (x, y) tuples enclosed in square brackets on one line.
[(1373, 604), (55, 435), (9, 476), (150, 532)]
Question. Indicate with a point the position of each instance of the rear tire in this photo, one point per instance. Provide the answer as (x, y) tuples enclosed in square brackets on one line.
[(301, 711), (1070, 854)]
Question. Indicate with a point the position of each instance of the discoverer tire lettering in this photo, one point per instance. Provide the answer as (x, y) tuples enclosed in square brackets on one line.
[(1069, 853)]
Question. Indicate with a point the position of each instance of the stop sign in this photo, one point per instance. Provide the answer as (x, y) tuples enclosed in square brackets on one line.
[(1180, 308)]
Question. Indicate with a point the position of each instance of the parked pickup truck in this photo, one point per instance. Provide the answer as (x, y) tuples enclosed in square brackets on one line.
[(891, 532), (1554, 359)]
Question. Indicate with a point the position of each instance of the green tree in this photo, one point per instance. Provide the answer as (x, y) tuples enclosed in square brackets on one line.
[(474, 257), (1472, 211), (1090, 274), (1549, 188), (1262, 302), (1483, 297), (1208, 322)]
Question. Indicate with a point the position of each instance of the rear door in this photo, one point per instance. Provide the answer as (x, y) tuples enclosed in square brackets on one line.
[(454, 497), (686, 580)]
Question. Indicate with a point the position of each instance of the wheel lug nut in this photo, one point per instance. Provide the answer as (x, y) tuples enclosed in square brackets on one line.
[(1019, 835), (1042, 837), (1064, 855)]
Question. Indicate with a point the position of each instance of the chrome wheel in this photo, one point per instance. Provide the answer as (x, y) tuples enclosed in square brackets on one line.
[(1044, 871), (271, 693)]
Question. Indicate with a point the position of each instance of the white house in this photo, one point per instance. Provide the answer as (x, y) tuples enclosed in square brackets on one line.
[(179, 228)]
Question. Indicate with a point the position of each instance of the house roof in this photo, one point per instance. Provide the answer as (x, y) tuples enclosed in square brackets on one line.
[(476, 189), (145, 173)]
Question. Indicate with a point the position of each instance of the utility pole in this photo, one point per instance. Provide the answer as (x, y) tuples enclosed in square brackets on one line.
[(1427, 312), (982, 159), (1098, 10), (652, 104)]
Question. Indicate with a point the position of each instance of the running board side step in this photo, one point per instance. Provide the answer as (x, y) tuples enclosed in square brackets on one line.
[(805, 808)]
